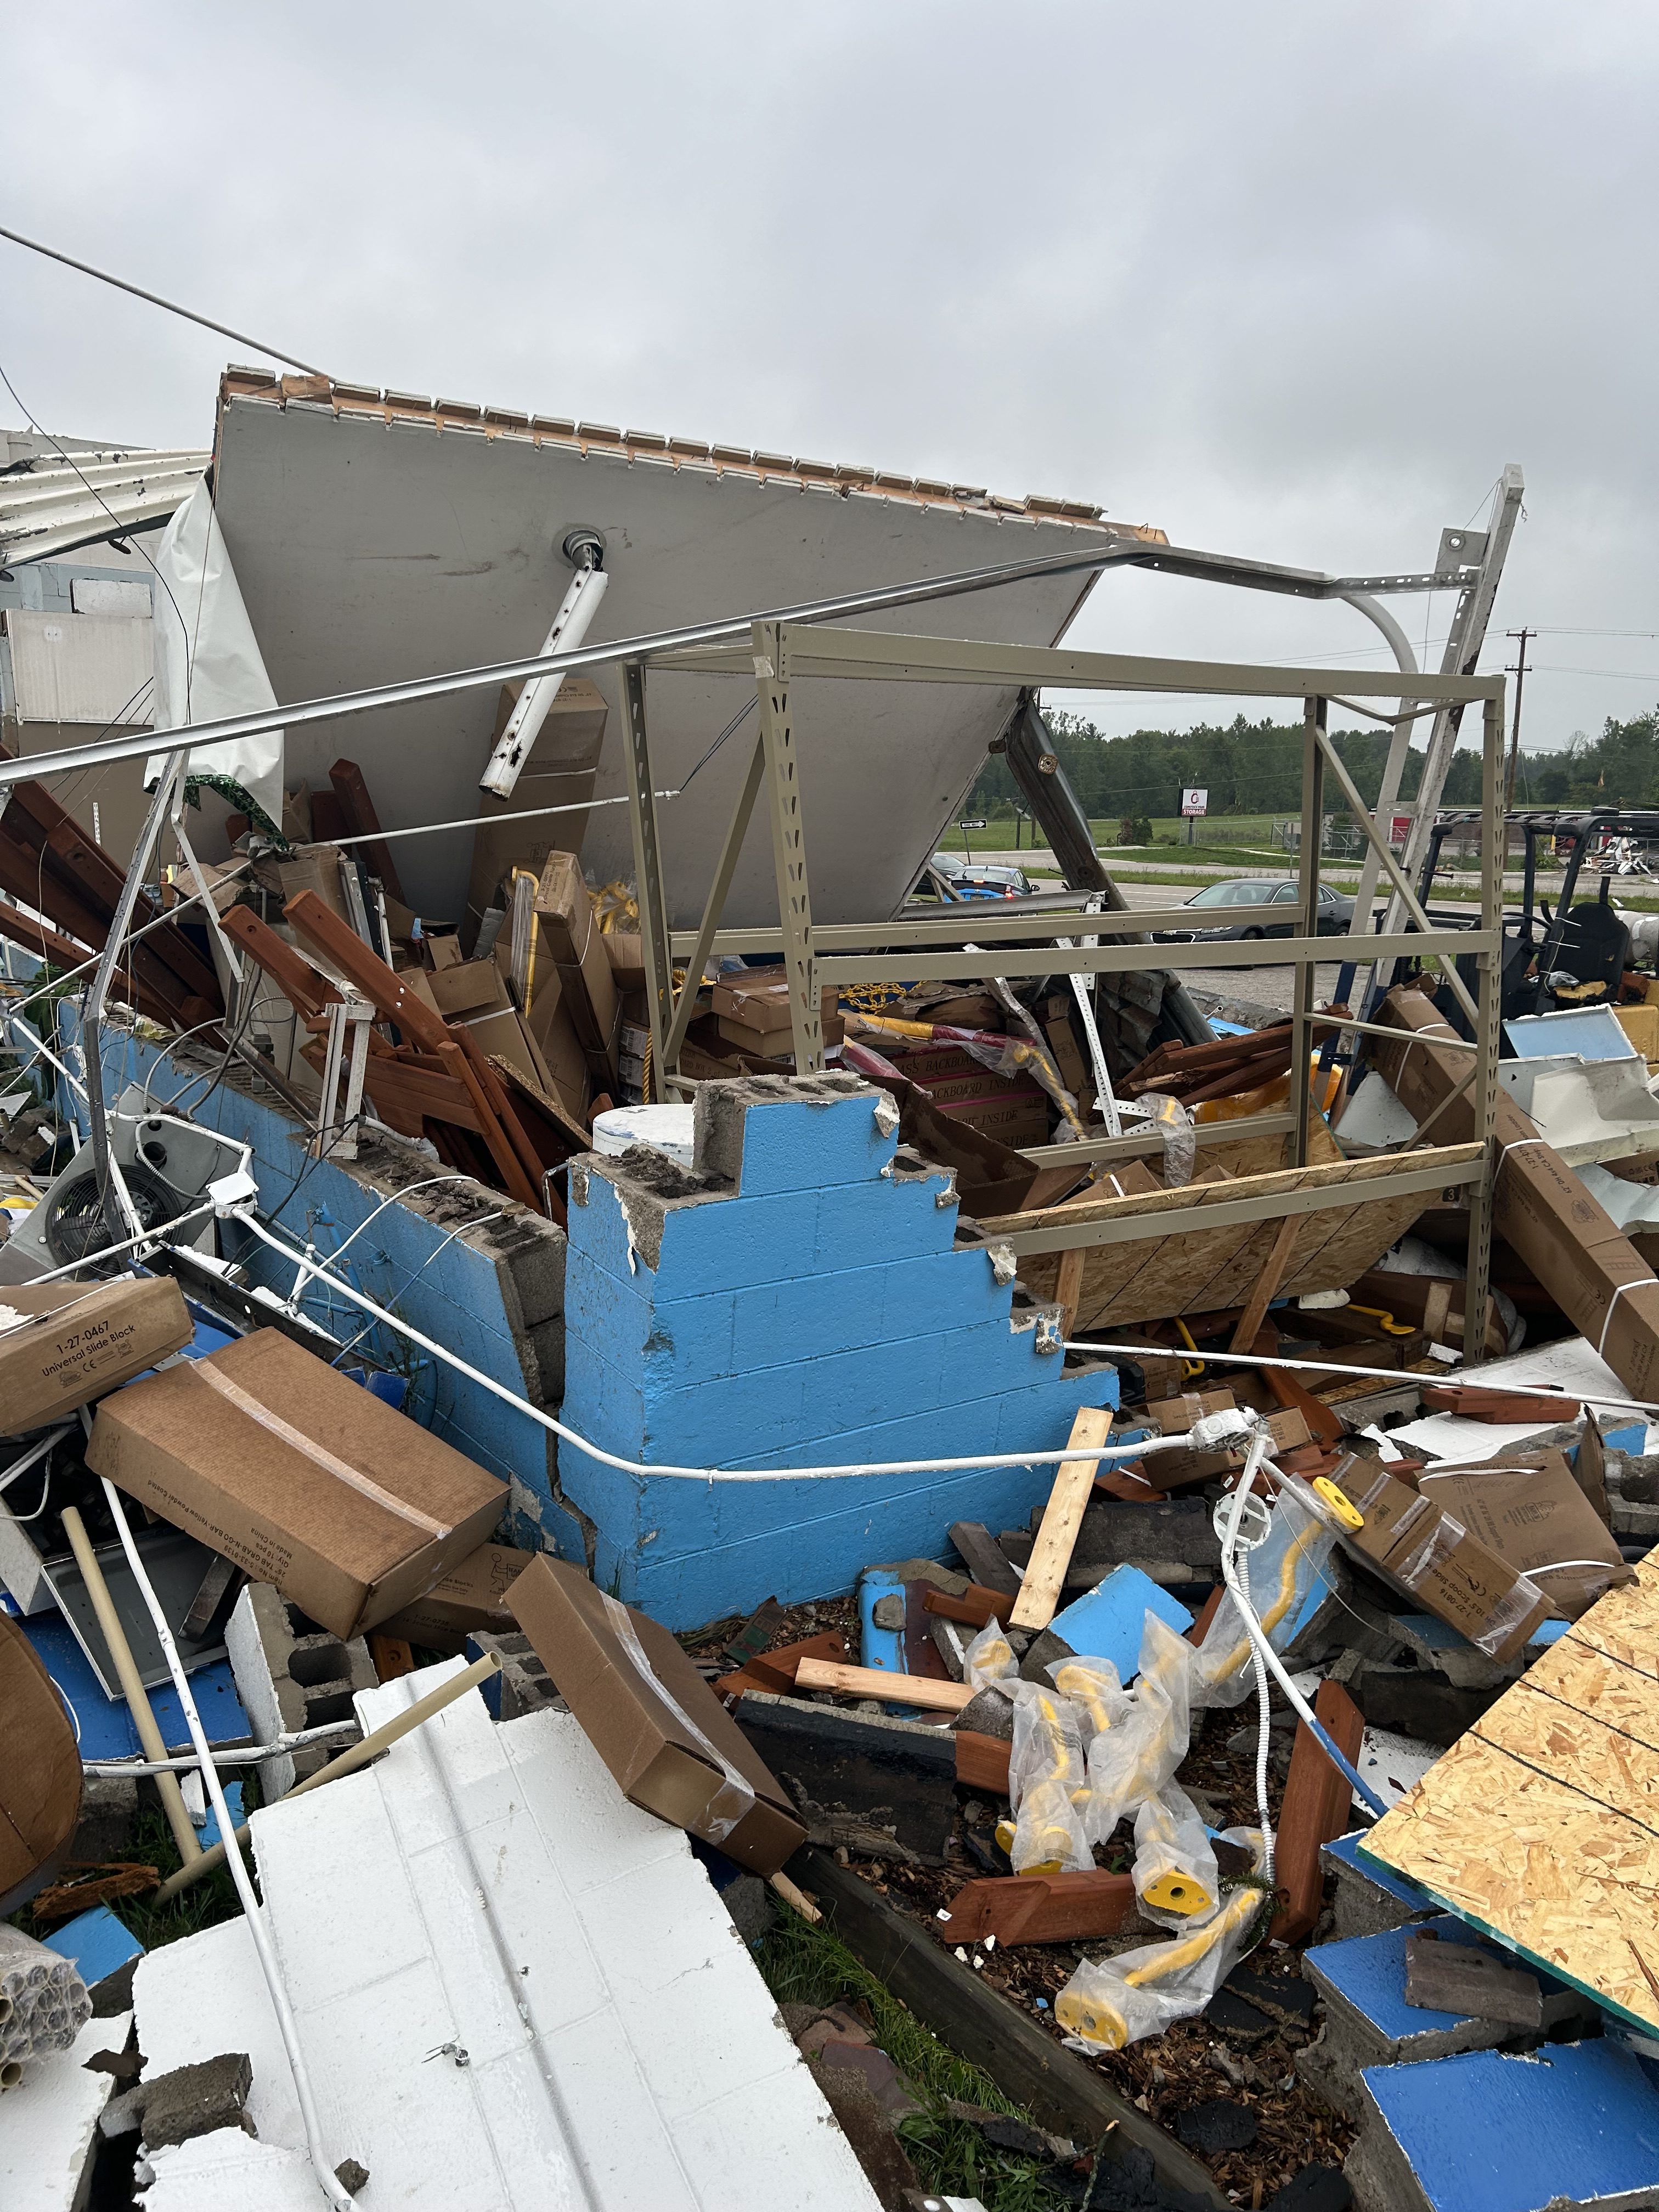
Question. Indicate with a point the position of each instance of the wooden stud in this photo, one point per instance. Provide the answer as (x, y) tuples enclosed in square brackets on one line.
[(1068, 1288), (876, 1682), (1051, 1554), (1266, 1285)]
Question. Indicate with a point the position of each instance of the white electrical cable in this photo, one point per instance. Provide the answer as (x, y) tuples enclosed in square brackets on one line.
[(1473, 1376), (1243, 1490), (332, 2187), (1069, 1453), (245, 1755)]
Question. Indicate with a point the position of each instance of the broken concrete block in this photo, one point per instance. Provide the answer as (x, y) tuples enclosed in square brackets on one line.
[(105, 1952), (990, 1713), (1108, 1623), (1046, 1649), (1416, 1701), (1569, 2126), (291, 1674), (1216, 2126), (1435, 1645), (1458, 1977), (195, 2101), (524, 1685), (986, 1559), (1366, 1900), (1368, 2021), (109, 1807), (866, 1780)]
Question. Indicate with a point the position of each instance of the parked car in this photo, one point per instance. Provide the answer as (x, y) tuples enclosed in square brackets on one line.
[(1211, 905), (947, 876)]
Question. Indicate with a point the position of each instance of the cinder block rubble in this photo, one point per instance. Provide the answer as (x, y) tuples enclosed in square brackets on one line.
[(290, 1675)]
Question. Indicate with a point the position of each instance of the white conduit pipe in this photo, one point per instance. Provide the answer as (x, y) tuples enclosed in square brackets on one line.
[(1242, 1490), (643, 1468), (1473, 1376), (247, 1754), (332, 2187)]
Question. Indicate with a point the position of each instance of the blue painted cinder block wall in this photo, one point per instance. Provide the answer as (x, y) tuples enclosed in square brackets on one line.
[(465, 1287), (801, 1298)]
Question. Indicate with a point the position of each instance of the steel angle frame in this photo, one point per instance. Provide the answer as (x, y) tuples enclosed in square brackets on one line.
[(782, 653), (1467, 1167)]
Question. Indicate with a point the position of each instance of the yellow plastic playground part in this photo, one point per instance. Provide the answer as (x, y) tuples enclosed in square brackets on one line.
[(1082, 1685), (1190, 1369), (1339, 1501), (1096, 2022), (1177, 1892), (1270, 1619)]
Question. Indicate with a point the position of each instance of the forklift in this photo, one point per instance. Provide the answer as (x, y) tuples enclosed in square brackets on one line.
[(1577, 954)]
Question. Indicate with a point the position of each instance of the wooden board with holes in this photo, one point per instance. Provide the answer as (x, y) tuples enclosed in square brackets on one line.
[(1183, 1265), (1541, 1824)]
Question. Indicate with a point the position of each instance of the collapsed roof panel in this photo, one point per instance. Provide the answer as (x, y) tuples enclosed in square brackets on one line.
[(378, 538)]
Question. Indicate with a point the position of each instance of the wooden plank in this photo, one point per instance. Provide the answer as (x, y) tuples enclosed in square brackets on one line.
[(982, 1761), (361, 821), (293, 975), (1027, 2064), (1314, 1812), (876, 1682), (1266, 1286), (34, 936), (1045, 1577), (1456, 1978), (976, 1607), (1068, 1289)]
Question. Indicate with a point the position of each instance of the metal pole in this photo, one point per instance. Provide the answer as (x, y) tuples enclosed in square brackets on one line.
[(1489, 968), (648, 871), (1313, 815), (729, 851), (789, 846), (1520, 671)]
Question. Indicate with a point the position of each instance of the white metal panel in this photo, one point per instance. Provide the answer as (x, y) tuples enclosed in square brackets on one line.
[(80, 668), (370, 550)]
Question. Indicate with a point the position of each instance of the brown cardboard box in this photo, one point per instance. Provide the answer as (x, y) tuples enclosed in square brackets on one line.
[(570, 933), (1173, 1415), (506, 1035), (1014, 1122), (558, 773), (443, 948), (1593, 1271), (316, 870), (467, 986), (1429, 1556), (39, 1775), (775, 1044), (1174, 1470), (1529, 1511), (764, 1007), (655, 1722), (76, 1340), (626, 953), (472, 1594), (270, 1476)]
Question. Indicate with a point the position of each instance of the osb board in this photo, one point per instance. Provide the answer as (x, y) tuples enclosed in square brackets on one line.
[(1255, 1155), (1182, 1266), (1541, 1824)]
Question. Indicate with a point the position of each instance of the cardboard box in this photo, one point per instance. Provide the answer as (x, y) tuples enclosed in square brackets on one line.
[(470, 1595), (775, 1044), (319, 870), (1540, 1208), (1174, 1470), (443, 948), (301, 1477), (764, 1007), (1173, 1415), (1430, 1557), (1530, 1511), (571, 934), (64, 1344), (1012, 1121), (655, 1722), (39, 1775), (558, 773), (626, 953), (467, 986)]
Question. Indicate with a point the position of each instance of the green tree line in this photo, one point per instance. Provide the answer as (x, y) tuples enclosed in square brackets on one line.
[(1255, 768)]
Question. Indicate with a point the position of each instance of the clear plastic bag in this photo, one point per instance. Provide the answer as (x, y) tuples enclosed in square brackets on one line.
[(1278, 1575), (1047, 1784), (1174, 1123), (1175, 1870), (1134, 1759), (1109, 2003), (1095, 1692), (989, 1658)]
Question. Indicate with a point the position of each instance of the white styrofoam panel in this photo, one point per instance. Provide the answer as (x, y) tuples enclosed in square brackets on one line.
[(489, 1889), (48, 2123), (228, 2168), (367, 553)]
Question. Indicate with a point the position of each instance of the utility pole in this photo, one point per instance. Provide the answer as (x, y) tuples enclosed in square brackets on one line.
[(1519, 668)]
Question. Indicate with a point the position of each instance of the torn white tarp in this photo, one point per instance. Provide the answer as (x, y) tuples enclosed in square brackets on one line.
[(207, 663)]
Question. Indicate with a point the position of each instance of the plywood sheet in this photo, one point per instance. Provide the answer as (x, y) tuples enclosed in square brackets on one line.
[(1542, 1823), (1184, 1265)]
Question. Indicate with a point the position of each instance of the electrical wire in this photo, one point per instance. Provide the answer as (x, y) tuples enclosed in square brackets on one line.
[(154, 299)]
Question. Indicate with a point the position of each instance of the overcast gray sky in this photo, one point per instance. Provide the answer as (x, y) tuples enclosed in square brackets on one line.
[(1292, 279)]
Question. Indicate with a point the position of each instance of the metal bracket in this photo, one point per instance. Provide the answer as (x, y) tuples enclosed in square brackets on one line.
[(336, 1123)]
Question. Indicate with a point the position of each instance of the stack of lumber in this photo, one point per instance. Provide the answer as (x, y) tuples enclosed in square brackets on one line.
[(49, 863), (428, 1079), (1194, 1072)]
